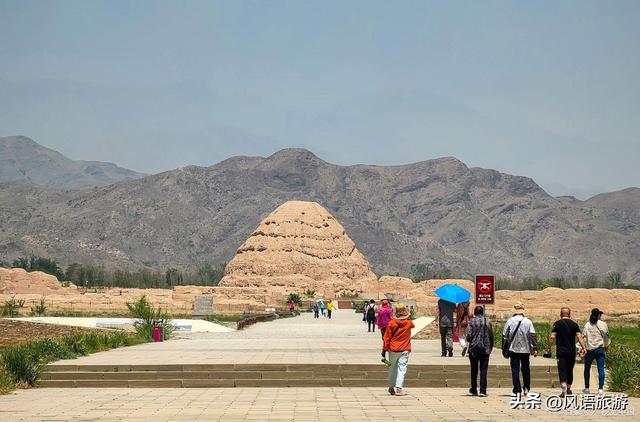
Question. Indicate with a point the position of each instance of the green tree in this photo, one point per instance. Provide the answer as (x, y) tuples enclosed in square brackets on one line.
[(420, 272), (295, 297), (173, 277), (147, 317), (614, 280)]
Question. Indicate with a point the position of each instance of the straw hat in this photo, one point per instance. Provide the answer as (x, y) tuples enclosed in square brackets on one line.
[(402, 310), (518, 307)]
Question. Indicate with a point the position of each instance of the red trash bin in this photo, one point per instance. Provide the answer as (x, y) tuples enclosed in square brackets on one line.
[(157, 333)]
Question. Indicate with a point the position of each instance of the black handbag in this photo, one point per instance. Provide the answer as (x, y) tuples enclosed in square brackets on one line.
[(506, 342)]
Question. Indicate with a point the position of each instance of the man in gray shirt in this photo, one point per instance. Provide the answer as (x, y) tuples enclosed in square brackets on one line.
[(445, 322), (523, 344)]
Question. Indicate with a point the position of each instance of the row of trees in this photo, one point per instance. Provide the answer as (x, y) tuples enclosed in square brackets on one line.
[(37, 263), (87, 275), (423, 271), (209, 275), (611, 280)]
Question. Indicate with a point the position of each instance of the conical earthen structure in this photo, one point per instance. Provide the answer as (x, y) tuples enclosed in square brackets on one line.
[(300, 246)]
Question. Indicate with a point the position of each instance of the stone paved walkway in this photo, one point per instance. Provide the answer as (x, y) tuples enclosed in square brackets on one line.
[(272, 404), (303, 339)]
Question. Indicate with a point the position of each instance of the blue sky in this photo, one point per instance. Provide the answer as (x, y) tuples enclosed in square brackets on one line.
[(546, 89)]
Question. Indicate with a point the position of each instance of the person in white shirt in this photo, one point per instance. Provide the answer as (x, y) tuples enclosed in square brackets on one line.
[(596, 335), (519, 329)]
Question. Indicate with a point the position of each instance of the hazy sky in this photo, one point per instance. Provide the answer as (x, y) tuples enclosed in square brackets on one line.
[(546, 89)]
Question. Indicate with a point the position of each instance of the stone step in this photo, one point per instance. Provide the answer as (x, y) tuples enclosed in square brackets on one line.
[(327, 382), (378, 367), (275, 375)]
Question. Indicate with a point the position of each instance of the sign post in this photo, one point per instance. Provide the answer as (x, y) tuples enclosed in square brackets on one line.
[(485, 289)]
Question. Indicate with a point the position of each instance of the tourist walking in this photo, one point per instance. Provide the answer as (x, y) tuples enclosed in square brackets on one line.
[(316, 310), (564, 334), (521, 337), (385, 314), (596, 334), (397, 342), (370, 312), (323, 309), (444, 315), (479, 340), (329, 308), (462, 320)]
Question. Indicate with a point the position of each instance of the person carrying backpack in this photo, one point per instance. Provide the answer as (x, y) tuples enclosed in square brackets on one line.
[(385, 314), (397, 342), (370, 313), (479, 340)]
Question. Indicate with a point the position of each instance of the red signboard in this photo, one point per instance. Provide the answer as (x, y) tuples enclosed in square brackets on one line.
[(485, 290)]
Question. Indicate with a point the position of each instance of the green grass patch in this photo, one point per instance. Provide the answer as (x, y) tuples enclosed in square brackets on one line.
[(629, 336), (22, 365), (623, 360)]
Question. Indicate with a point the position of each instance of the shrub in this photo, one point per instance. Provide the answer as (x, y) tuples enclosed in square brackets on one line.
[(49, 350), (309, 293), (12, 306), (295, 297), (22, 364), (6, 381), (75, 344), (147, 317), (39, 309)]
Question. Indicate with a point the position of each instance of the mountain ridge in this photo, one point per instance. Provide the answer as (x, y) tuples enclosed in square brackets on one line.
[(24, 160), (440, 212)]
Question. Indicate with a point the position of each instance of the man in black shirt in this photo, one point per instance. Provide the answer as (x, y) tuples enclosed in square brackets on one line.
[(564, 334)]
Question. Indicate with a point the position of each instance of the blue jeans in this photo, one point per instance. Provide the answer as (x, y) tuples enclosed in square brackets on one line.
[(598, 355)]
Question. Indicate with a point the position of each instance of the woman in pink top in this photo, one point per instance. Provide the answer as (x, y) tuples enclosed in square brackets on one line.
[(385, 314)]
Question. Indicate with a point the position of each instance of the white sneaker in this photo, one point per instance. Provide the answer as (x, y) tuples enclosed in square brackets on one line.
[(586, 391), (600, 391)]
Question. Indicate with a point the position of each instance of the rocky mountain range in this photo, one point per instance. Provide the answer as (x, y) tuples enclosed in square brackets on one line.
[(439, 212), (23, 160)]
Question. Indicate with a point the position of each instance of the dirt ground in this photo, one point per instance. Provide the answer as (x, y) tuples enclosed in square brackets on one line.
[(15, 332)]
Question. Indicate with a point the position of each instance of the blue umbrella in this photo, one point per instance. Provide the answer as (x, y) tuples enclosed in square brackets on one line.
[(453, 293)]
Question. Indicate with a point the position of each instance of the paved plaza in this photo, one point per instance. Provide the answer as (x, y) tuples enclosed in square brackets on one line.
[(301, 340), (271, 404), (304, 340)]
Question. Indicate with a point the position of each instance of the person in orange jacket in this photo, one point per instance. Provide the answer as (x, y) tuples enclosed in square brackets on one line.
[(397, 342)]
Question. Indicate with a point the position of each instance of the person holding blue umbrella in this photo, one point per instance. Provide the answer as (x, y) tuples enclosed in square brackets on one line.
[(450, 295)]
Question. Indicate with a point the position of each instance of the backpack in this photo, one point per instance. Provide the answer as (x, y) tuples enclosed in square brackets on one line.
[(371, 311)]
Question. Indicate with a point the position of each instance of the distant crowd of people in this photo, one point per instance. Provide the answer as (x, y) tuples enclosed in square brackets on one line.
[(321, 309), (475, 333)]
